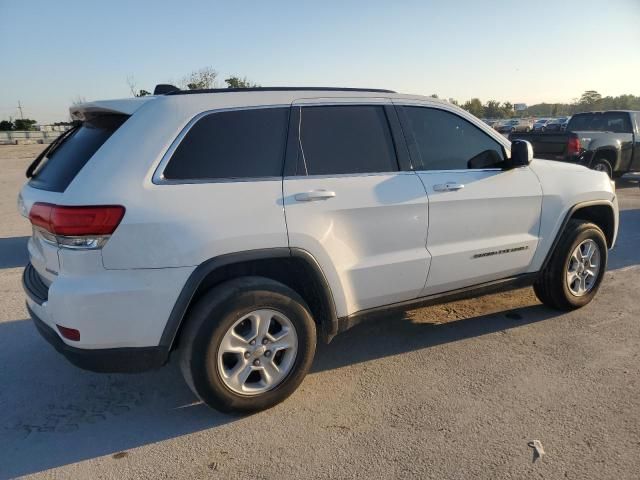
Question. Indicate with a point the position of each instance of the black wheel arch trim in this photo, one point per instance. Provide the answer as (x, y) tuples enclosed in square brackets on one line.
[(329, 325), (565, 221)]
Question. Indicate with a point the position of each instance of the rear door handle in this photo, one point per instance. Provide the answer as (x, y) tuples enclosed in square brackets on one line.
[(314, 195), (448, 187)]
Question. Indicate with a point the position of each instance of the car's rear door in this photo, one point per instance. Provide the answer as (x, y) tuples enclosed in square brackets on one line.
[(349, 203), (483, 223)]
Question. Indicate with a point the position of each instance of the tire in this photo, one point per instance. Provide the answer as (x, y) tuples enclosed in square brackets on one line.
[(602, 165), (552, 286), (203, 360)]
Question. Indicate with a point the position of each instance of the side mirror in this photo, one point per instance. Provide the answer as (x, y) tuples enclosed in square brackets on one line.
[(486, 159), (521, 153)]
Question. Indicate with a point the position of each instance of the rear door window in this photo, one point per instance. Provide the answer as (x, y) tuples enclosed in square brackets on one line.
[(65, 161), (230, 145), (345, 139)]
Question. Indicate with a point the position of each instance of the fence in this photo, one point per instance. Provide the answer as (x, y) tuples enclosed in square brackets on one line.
[(18, 137)]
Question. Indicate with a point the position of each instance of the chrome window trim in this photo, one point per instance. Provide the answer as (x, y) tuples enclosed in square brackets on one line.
[(469, 170), (158, 175), (347, 175)]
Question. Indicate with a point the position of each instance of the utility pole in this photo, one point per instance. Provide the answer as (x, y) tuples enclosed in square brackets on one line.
[(20, 108)]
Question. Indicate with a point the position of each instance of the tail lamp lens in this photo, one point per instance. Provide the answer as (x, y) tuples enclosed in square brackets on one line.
[(76, 221), (573, 146), (76, 227)]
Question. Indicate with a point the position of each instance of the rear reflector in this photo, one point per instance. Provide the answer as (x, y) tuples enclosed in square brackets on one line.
[(69, 333), (76, 221)]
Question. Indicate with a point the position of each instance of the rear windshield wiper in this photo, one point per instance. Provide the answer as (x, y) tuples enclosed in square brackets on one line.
[(49, 150)]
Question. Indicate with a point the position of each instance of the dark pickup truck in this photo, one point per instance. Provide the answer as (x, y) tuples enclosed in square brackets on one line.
[(605, 141)]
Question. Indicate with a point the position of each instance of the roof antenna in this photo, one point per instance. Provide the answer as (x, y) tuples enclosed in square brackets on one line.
[(164, 88)]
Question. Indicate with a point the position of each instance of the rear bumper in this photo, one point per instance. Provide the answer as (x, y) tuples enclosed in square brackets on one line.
[(109, 360)]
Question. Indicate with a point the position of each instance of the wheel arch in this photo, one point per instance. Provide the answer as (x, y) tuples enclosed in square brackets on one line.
[(598, 212), (295, 268), (610, 154)]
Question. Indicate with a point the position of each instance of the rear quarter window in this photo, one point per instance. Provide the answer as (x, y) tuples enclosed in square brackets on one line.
[(232, 145), (64, 162)]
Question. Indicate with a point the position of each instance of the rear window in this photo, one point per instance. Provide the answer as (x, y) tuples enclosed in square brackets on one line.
[(64, 161), (234, 144), (617, 122)]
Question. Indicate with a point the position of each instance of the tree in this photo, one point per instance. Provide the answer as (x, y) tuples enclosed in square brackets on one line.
[(492, 109), (200, 79), (24, 124), (6, 125), (507, 109), (474, 107), (590, 97), (237, 82), (434, 95), (132, 84), (143, 93)]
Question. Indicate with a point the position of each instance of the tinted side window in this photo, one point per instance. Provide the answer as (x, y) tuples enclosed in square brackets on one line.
[(346, 139), (235, 144), (64, 162), (617, 122), (446, 141)]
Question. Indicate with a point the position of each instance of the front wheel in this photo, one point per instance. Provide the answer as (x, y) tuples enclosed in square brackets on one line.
[(248, 344), (574, 273)]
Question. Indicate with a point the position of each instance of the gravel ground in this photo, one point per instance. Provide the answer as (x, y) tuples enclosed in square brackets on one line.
[(453, 391)]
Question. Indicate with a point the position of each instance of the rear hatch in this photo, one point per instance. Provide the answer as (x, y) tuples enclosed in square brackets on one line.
[(55, 168)]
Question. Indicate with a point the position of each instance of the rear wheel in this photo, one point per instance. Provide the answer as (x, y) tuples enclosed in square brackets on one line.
[(248, 344), (574, 273), (603, 165)]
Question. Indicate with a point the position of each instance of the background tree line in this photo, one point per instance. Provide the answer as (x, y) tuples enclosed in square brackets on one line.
[(589, 101)]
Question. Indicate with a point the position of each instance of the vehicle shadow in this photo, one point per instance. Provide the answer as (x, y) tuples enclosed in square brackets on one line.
[(13, 252), (55, 414), (397, 333)]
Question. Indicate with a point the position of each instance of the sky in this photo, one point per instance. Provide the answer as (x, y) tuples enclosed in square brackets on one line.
[(519, 51)]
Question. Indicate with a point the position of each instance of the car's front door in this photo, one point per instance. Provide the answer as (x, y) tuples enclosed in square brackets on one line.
[(349, 204), (483, 222)]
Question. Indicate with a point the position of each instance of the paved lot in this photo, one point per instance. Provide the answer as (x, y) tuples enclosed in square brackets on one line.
[(454, 391)]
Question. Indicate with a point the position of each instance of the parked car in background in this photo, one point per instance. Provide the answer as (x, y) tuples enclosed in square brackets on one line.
[(540, 124), (605, 141), (557, 124), (523, 125), (506, 126)]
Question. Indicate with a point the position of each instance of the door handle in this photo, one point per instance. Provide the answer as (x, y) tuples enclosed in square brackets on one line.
[(314, 195), (448, 187)]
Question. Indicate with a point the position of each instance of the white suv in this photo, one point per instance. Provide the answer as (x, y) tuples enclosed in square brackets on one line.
[(234, 227)]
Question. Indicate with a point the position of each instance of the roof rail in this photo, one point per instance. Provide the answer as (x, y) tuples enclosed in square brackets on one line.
[(276, 89)]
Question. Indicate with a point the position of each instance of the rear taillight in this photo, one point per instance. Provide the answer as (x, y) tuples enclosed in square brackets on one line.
[(573, 146), (76, 227)]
